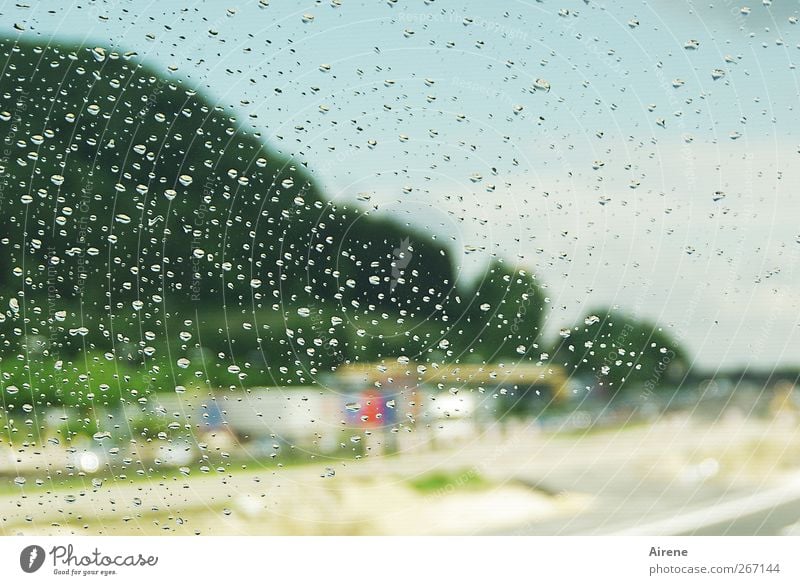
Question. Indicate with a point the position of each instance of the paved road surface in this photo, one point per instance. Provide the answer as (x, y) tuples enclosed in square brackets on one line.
[(659, 479)]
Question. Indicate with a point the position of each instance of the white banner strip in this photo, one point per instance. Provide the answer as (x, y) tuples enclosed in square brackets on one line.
[(400, 560)]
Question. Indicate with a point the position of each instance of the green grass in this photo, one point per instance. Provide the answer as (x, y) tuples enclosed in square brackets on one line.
[(441, 482)]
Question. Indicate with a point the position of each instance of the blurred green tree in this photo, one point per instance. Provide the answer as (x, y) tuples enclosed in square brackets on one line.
[(615, 352)]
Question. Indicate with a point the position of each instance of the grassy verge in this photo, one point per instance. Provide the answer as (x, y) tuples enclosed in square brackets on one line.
[(440, 482)]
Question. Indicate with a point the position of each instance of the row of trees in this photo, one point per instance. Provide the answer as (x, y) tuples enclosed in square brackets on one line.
[(149, 242)]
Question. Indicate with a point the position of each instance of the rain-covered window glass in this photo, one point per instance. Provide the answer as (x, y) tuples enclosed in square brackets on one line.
[(398, 267)]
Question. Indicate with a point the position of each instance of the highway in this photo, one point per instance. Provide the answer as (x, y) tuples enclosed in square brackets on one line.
[(673, 477)]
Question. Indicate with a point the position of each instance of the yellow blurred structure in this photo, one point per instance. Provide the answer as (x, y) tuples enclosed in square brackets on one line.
[(518, 374)]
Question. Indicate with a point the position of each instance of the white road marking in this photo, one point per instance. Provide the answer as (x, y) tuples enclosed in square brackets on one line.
[(723, 512)]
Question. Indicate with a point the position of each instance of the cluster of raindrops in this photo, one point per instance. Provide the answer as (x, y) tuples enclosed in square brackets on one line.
[(250, 238)]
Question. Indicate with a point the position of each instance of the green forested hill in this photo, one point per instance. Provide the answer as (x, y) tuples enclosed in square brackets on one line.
[(144, 227)]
